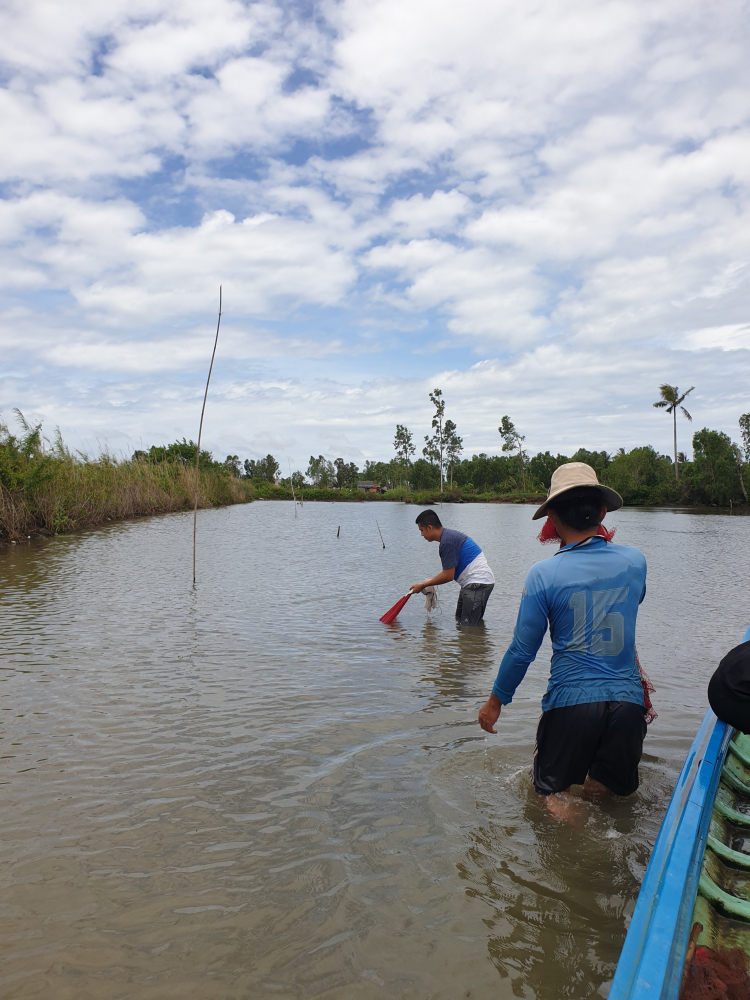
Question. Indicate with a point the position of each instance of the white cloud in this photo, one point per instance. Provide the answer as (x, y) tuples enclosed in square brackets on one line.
[(186, 351), (420, 216), (727, 338), (560, 398), (115, 270), (543, 183)]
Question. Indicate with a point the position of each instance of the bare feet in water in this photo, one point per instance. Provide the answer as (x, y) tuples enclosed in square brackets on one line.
[(594, 791), (567, 808)]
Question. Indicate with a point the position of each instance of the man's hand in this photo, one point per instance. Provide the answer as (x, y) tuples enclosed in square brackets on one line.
[(435, 581), (489, 713)]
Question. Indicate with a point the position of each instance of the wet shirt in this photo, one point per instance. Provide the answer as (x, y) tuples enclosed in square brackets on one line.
[(459, 552), (589, 593)]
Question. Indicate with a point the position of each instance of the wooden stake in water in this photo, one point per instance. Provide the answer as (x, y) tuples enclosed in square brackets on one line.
[(200, 431), (380, 533), (338, 533), (292, 482)]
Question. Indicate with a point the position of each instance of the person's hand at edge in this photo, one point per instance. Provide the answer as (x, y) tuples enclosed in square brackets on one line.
[(489, 713), (417, 588)]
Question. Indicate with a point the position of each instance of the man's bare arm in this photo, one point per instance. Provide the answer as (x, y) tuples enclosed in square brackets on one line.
[(444, 577)]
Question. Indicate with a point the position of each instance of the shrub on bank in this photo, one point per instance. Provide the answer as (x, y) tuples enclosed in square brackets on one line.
[(49, 489), (644, 477), (716, 474)]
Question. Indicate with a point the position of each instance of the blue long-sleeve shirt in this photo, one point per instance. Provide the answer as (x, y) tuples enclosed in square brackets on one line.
[(590, 593)]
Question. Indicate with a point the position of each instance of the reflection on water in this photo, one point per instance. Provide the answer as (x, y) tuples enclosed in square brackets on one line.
[(256, 789), (558, 896), (455, 660)]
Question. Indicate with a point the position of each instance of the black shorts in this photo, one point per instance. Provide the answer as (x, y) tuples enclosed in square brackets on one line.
[(603, 739)]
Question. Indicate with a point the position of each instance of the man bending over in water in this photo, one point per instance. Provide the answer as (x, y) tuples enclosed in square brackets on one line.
[(464, 562), (593, 721)]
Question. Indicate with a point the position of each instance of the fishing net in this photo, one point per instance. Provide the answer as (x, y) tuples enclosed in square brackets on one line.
[(721, 974), (431, 598), (549, 534)]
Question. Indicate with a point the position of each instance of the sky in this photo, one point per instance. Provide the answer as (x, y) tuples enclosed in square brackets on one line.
[(540, 208)]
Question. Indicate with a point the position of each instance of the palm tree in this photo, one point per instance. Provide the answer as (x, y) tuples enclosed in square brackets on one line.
[(670, 400)]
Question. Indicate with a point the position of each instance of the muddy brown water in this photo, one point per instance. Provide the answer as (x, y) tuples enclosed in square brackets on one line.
[(255, 789)]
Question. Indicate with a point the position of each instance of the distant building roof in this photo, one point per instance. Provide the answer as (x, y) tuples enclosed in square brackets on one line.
[(368, 485)]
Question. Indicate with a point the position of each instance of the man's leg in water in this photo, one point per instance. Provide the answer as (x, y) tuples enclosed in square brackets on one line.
[(564, 807), (472, 602), (566, 742), (597, 745), (486, 591), (595, 791), (615, 763)]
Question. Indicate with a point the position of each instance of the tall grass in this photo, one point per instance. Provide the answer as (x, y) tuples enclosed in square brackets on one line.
[(46, 488)]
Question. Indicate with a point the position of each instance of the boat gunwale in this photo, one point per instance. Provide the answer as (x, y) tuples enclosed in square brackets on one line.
[(653, 955)]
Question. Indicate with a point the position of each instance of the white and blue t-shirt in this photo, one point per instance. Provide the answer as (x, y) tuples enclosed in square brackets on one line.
[(459, 552)]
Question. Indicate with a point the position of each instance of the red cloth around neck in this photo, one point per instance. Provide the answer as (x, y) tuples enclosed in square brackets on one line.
[(549, 533)]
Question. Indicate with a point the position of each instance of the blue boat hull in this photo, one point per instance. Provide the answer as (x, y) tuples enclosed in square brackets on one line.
[(696, 890), (652, 961)]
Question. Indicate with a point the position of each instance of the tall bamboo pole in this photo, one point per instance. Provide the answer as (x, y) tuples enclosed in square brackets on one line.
[(200, 431)]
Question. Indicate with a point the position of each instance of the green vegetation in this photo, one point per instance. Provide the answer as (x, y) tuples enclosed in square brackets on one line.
[(178, 452), (45, 488), (434, 449), (719, 473), (328, 475), (403, 445), (264, 469)]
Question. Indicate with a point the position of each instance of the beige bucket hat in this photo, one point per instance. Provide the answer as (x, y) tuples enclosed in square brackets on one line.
[(568, 477)]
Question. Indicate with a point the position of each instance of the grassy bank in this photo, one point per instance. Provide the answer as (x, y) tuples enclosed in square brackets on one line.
[(46, 489)]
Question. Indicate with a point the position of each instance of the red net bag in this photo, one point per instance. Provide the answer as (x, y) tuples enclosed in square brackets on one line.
[(648, 690), (717, 975)]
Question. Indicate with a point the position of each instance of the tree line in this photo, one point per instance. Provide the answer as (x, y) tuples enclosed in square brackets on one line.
[(718, 473)]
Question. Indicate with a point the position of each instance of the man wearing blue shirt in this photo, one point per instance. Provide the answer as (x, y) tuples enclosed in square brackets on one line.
[(593, 723), (464, 562)]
